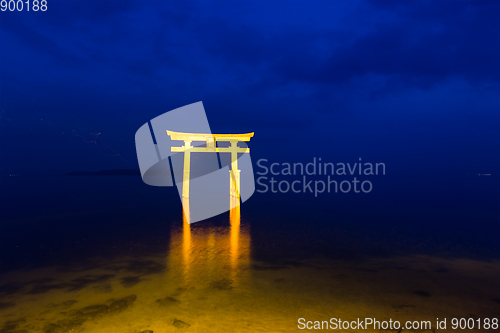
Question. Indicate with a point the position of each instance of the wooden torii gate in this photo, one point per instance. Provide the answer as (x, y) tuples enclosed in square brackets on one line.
[(211, 147)]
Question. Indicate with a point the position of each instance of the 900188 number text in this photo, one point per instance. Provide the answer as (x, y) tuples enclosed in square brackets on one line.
[(470, 323), (19, 5)]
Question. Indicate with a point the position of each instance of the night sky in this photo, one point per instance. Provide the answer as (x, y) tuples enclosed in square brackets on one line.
[(412, 84)]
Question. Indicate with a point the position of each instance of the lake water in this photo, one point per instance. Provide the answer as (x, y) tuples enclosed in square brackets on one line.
[(111, 254)]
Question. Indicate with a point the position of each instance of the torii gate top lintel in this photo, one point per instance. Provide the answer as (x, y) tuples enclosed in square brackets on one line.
[(206, 137)]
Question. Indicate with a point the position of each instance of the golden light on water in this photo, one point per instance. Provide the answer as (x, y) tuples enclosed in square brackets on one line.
[(234, 220), (186, 242), (208, 282), (211, 253)]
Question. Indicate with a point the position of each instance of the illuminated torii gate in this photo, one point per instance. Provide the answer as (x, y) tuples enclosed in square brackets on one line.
[(211, 147)]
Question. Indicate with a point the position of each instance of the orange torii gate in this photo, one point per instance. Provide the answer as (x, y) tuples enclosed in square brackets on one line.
[(211, 147)]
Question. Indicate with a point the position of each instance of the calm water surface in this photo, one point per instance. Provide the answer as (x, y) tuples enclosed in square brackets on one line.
[(111, 254)]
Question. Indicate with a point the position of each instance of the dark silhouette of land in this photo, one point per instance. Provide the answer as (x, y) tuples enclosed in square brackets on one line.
[(115, 172)]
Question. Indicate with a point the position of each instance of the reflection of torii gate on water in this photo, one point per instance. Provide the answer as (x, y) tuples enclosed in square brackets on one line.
[(211, 147)]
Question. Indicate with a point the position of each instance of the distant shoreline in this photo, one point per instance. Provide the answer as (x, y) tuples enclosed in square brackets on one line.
[(115, 172)]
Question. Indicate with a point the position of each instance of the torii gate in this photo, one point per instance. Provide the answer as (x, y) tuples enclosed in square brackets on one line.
[(211, 147)]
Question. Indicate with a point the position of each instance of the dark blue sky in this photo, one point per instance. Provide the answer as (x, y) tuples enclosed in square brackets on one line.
[(412, 84)]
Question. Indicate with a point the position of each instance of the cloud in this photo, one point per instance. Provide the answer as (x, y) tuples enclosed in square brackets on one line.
[(421, 45), (257, 66)]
